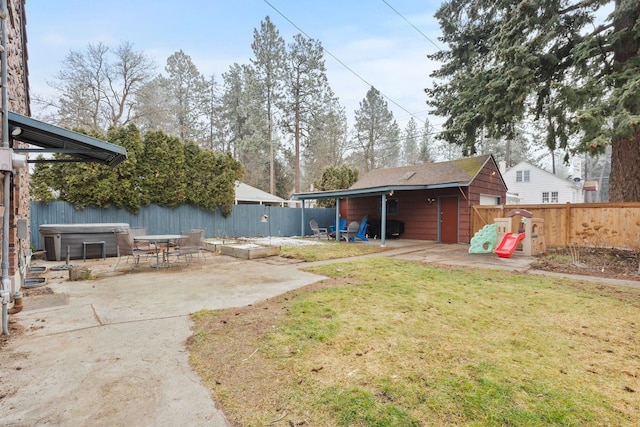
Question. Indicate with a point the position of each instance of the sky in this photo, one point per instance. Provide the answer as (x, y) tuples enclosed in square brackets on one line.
[(381, 43)]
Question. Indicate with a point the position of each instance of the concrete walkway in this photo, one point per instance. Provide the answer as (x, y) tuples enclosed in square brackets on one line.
[(110, 351)]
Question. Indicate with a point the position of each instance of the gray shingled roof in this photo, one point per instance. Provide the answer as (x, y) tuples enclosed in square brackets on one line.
[(461, 171), (454, 173)]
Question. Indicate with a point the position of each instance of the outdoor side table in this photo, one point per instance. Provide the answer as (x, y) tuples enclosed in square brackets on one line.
[(103, 248)]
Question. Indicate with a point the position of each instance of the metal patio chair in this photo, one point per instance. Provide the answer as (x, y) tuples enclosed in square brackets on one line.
[(127, 248)]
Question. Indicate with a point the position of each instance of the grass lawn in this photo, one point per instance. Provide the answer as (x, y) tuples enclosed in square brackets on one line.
[(328, 250), (387, 342)]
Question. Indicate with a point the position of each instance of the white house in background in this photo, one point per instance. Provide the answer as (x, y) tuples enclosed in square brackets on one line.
[(246, 194), (528, 184)]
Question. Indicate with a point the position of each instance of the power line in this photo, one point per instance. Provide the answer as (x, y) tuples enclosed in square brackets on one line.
[(342, 63), (409, 22)]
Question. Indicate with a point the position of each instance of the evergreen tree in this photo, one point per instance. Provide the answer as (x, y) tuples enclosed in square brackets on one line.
[(427, 144), (269, 50), (213, 137), (377, 133), (335, 178), (327, 142), (155, 171), (212, 178), (410, 148), (304, 87), (187, 90), (162, 168), (245, 124), (559, 62)]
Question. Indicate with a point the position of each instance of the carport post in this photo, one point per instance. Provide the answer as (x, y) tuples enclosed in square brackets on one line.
[(302, 215), (383, 221), (337, 219)]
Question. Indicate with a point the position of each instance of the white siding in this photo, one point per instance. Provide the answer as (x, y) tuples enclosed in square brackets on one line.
[(540, 181)]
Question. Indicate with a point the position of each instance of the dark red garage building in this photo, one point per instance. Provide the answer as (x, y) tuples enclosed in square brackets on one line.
[(429, 201)]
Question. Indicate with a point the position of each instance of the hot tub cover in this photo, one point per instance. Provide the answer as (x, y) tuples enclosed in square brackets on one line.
[(82, 228)]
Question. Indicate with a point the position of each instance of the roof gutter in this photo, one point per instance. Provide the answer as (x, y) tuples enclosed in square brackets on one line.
[(374, 191)]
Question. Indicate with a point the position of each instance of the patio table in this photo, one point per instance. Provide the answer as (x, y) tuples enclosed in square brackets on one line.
[(157, 239)]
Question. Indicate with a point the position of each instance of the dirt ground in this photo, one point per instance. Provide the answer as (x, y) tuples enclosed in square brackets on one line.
[(598, 262)]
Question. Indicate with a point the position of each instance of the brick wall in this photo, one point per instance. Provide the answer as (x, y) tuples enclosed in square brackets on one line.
[(18, 100)]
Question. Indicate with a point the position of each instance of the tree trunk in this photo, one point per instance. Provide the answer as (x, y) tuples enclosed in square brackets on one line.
[(624, 180)]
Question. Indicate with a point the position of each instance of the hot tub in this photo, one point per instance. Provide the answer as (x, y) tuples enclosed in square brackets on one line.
[(57, 238)]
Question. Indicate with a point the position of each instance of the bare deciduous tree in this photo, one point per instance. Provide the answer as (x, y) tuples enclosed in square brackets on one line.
[(96, 88)]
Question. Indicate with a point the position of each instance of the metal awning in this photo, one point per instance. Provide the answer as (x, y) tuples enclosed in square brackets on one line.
[(373, 191), (54, 139)]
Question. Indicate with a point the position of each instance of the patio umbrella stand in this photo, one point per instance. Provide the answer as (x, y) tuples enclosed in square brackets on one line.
[(66, 265)]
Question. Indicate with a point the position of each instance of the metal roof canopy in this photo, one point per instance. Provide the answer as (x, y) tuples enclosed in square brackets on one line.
[(375, 191), (53, 139)]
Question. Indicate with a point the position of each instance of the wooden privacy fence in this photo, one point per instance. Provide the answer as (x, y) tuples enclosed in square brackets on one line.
[(581, 224)]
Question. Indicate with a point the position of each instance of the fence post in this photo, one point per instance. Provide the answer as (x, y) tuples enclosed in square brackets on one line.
[(567, 219)]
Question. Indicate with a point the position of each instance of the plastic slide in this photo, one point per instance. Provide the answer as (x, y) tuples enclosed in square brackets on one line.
[(508, 244)]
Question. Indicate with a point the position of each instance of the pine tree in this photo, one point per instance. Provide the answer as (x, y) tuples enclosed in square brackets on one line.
[(269, 50), (245, 123), (410, 147), (327, 143), (187, 90), (377, 133), (305, 84), (558, 62)]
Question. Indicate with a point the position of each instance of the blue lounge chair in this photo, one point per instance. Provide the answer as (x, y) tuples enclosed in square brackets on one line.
[(362, 231), (342, 226)]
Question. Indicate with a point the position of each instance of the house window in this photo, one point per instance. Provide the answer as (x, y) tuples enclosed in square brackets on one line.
[(523, 176), (545, 197), (554, 197)]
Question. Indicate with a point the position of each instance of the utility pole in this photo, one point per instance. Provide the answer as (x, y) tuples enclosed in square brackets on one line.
[(272, 172)]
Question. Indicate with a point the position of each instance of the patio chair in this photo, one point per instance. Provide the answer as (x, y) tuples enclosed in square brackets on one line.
[(196, 235), (352, 230), (143, 246), (186, 249), (342, 227), (127, 248), (362, 230), (318, 231)]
